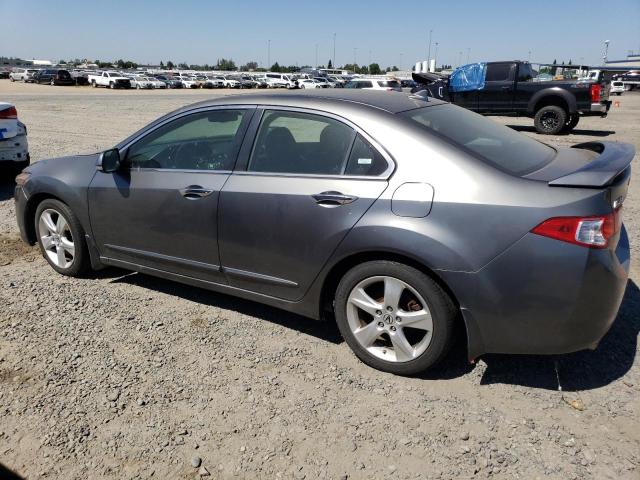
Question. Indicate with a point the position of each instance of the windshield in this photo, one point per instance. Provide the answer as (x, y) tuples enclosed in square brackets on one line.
[(495, 144)]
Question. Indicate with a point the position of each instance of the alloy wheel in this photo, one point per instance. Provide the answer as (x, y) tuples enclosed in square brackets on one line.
[(56, 238), (550, 121), (389, 319)]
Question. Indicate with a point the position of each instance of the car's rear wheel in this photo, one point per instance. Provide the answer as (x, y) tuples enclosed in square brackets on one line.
[(550, 120), (394, 317), (61, 238)]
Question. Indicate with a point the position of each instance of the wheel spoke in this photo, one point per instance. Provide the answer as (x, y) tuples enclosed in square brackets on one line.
[(401, 346), (420, 319), (68, 246), (46, 219), (62, 259), (367, 335), (392, 291), (47, 242), (61, 224), (363, 301)]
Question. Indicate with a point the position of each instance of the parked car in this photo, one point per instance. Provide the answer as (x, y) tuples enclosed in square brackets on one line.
[(169, 81), (14, 148), (141, 83), (617, 87), (279, 80), (509, 88), (305, 83), (4, 73), (213, 83), (228, 82), (156, 82), (80, 77), (325, 81), (189, 82), (109, 79), (22, 74), (53, 77), (408, 84), (397, 216), (374, 83)]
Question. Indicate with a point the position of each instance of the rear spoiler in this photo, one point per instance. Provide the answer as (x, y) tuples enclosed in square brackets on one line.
[(614, 159)]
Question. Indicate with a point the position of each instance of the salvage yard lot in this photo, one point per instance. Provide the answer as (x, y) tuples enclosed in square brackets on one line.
[(127, 376)]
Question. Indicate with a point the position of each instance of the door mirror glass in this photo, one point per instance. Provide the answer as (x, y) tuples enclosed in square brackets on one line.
[(110, 160)]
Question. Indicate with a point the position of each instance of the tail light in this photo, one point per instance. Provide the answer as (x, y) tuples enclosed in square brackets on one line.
[(595, 90), (593, 232), (8, 113)]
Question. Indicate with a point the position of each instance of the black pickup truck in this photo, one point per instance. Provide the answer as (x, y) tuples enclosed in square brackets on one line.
[(512, 89)]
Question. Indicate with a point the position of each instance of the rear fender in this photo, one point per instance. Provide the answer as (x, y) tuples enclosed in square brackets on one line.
[(561, 95)]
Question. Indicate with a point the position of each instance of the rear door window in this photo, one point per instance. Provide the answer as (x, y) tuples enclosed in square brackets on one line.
[(498, 72), (300, 143), (494, 144)]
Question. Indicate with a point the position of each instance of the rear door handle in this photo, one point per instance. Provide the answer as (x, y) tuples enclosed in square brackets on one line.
[(194, 192), (333, 199)]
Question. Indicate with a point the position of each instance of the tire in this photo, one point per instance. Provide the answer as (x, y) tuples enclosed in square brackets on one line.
[(618, 93), (76, 259), (571, 123), (112, 85), (550, 120), (93, 84), (428, 340), (52, 83), (137, 87), (11, 79)]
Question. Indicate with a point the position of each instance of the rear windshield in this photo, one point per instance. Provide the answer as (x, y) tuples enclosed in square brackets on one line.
[(495, 144)]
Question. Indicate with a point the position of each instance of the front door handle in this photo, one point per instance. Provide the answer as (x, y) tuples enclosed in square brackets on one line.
[(194, 192), (333, 199)]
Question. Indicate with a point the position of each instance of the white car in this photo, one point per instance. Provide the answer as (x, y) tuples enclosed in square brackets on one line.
[(310, 83), (110, 80), (228, 82), (325, 81), (279, 80), (617, 87), (375, 84), (14, 149), (189, 82), (141, 82), (22, 74)]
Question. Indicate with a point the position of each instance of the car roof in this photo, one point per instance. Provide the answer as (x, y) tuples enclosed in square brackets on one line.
[(392, 102)]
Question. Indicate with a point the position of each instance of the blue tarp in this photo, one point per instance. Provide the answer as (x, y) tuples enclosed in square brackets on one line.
[(468, 77)]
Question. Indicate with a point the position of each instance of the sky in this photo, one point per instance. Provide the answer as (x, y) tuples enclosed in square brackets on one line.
[(386, 32)]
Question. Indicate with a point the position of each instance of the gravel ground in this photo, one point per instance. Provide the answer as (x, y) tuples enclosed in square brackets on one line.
[(125, 376)]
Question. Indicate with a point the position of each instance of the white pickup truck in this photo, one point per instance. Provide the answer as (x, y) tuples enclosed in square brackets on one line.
[(110, 80)]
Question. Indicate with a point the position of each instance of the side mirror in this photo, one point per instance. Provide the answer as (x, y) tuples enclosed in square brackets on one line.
[(110, 160)]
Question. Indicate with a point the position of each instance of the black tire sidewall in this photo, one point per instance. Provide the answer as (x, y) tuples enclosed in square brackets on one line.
[(558, 111), (81, 260), (442, 308)]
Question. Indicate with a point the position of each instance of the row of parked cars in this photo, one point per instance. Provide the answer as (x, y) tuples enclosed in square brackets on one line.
[(115, 79)]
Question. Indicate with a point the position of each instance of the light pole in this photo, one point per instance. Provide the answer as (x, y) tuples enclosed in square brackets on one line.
[(435, 57), (400, 66), (429, 52), (268, 54), (316, 65), (606, 50), (529, 58), (334, 50), (355, 52)]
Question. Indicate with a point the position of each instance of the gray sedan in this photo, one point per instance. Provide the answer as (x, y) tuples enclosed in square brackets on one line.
[(397, 216)]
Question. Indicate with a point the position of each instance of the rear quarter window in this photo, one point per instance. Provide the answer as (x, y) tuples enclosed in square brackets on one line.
[(487, 140)]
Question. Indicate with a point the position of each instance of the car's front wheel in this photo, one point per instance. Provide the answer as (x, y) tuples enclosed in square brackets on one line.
[(394, 317), (61, 238)]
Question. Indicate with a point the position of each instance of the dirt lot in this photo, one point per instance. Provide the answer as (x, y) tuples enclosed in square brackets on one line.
[(127, 376)]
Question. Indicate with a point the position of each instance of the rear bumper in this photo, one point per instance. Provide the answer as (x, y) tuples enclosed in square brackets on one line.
[(542, 296), (14, 150), (600, 109)]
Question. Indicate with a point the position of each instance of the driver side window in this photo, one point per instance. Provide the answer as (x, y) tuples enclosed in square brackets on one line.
[(201, 141)]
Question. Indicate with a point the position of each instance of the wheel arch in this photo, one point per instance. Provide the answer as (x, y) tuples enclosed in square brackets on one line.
[(552, 96), (30, 213)]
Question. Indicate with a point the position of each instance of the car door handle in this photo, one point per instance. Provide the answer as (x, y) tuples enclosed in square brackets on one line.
[(194, 192), (506, 87), (333, 199)]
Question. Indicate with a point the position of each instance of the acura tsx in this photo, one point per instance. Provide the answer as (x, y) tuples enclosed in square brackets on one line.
[(400, 215)]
